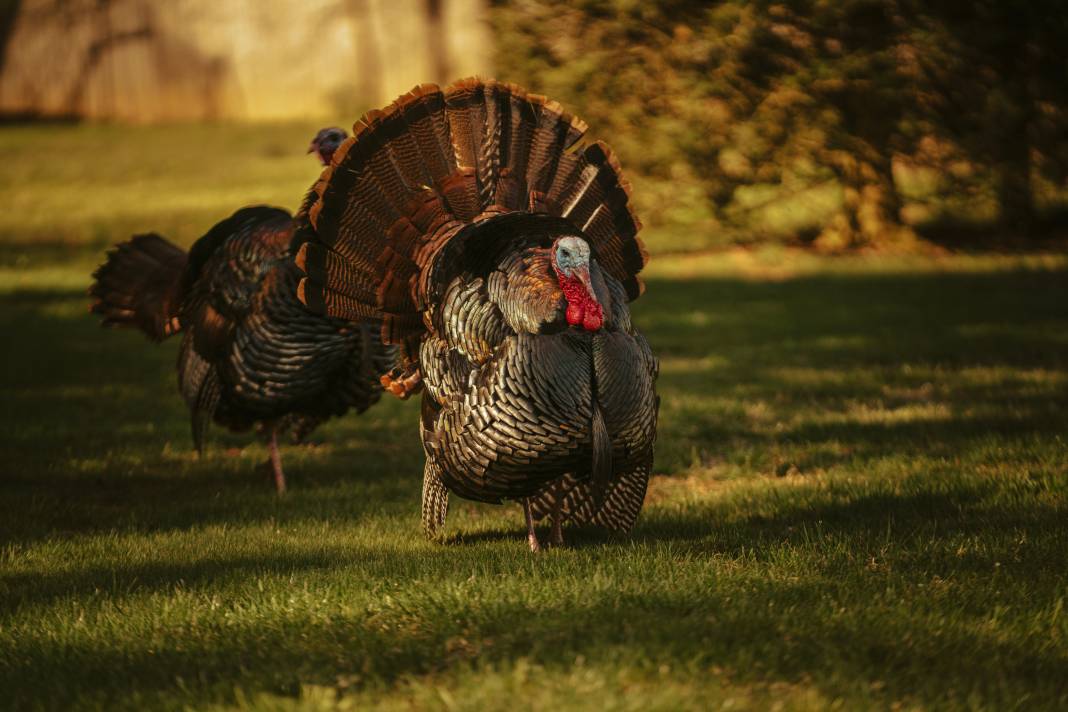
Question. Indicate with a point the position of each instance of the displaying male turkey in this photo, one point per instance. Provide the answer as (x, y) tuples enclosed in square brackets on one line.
[(251, 354), (501, 255)]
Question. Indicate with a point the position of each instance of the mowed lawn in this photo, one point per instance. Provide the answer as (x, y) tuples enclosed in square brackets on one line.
[(860, 498)]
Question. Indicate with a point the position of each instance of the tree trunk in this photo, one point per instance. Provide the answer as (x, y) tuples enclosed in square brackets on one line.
[(878, 207), (435, 41), (368, 61), (1013, 169)]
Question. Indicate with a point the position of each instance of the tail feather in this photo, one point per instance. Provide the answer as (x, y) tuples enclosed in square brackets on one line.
[(521, 119), (556, 131), (489, 159), (466, 112), (433, 100), (139, 286)]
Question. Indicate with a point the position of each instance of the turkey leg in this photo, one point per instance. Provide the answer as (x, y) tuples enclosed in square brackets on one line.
[(556, 537), (532, 538), (276, 463), (435, 501)]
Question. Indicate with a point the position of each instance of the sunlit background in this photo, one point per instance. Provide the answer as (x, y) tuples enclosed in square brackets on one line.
[(829, 124)]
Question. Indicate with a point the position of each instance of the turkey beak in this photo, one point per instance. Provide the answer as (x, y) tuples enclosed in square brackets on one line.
[(583, 274)]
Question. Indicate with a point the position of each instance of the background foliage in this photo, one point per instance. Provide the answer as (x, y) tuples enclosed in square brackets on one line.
[(845, 124)]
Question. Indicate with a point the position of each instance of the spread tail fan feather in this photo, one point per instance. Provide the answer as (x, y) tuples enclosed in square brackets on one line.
[(414, 174), (139, 285)]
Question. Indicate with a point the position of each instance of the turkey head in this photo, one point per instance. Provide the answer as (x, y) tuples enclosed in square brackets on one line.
[(571, 262), (326, 142)]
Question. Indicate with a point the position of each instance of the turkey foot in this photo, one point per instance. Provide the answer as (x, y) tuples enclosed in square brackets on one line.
[(276, 464), (403, 382), (532, 538)]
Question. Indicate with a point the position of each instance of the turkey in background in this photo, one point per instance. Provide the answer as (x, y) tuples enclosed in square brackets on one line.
[(251, 354), (501, 256)]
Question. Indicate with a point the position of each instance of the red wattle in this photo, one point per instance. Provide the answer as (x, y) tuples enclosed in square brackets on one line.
[(582, 309), (574, 313)]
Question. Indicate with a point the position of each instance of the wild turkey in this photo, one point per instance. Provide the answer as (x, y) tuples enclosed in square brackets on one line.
[(251, 354), (326, 142), (501, 255)]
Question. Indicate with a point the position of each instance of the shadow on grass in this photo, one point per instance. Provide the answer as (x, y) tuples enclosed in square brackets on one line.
[(125, 579), (96, 438), (839, 630), (920, 513), (88, 412)]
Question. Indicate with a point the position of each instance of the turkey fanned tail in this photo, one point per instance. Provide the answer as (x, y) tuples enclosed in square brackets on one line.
[(139, 286)]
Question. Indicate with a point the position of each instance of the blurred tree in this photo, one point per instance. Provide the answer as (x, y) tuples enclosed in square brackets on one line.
[(826, 83), (994, 76), (9, 9), (435, 41), (758, 104), (368, 55)]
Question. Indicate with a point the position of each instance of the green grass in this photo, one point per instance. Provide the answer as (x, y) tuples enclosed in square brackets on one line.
[(860, 500), (67, 185)]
